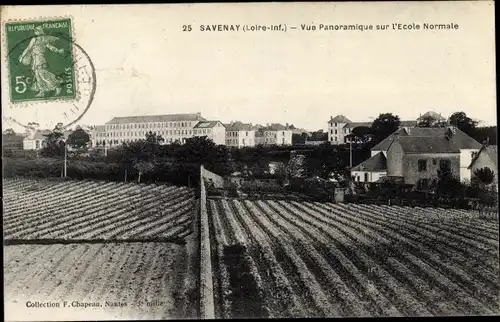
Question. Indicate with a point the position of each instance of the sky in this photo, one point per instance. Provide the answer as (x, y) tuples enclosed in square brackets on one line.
[(145, 63)]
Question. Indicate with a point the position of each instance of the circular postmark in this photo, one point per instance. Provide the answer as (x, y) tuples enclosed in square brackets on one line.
[(52, 80)]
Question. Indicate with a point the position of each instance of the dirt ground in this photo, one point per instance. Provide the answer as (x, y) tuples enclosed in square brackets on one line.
[(96, 281)]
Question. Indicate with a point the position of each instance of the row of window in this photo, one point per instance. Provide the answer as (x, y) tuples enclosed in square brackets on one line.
[(244, 142), (273, 133), (202, 131), (149, 125), (443, 163), (143, 133), (346, 131), (235, 133), (120, 141)]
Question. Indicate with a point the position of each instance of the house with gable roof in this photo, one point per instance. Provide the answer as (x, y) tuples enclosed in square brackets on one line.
[(416, 160), (240, 134), (414, 154), (277, 134), (370, 170), (487, 157), (214, 130)]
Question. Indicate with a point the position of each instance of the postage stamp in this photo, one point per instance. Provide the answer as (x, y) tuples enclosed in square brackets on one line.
[(40, 60)]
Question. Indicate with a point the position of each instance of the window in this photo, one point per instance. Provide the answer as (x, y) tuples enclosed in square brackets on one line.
[(445, 164), (335, 131), (335, 124), (335, 139), (366, 177), (422, 165), (434, 161)]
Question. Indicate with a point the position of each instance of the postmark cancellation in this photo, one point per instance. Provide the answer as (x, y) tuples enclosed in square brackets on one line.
[(51, 79)]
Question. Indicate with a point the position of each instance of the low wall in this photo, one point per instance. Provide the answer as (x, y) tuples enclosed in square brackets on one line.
[(216, 179), (207, 310)]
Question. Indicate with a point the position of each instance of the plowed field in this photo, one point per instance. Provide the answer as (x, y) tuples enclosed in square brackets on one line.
[(293, 259), (86, 250), (91, 210)]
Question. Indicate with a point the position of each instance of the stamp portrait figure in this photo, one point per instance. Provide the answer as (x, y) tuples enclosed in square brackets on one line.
[(41, 60), (34, 55)]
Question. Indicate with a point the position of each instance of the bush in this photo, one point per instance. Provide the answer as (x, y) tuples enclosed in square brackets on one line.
[(260, 186)]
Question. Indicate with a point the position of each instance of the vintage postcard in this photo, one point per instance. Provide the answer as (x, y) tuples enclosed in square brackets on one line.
[(249, 160)]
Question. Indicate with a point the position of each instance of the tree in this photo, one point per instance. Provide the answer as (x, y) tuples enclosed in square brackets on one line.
[(361, 134), (9, 132), (426, 121), (79, 138), (463, 122), (484, 175), (384, 125), (447, 184), (54, 142), (296, 167), (143, 167), (299, 138), (319, 135), (154, 138)]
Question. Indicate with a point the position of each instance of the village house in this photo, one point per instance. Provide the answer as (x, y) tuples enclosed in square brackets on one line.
[(433, 119), (240, 134), (416, 160), (278, 134), (214, 130), (487, 157), (370, 170), (450, 143)]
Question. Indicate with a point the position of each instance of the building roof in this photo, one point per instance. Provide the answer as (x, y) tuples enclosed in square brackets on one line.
[(352, 125), (340, 119), (432, 114), (378, 162), (157, 118), (238, 126), (207, 124), (460, 139), (412, 144), (489, 150), (276, 127)]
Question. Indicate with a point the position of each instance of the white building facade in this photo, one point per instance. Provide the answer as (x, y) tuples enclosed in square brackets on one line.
[(214, 130), (240, 135), (277, 134), (172, 127)]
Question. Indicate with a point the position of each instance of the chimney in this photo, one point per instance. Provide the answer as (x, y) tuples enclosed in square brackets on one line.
[(286, 125), (198, 115)]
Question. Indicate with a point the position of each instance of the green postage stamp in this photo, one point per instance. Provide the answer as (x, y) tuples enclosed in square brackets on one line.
[(40, 60)]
